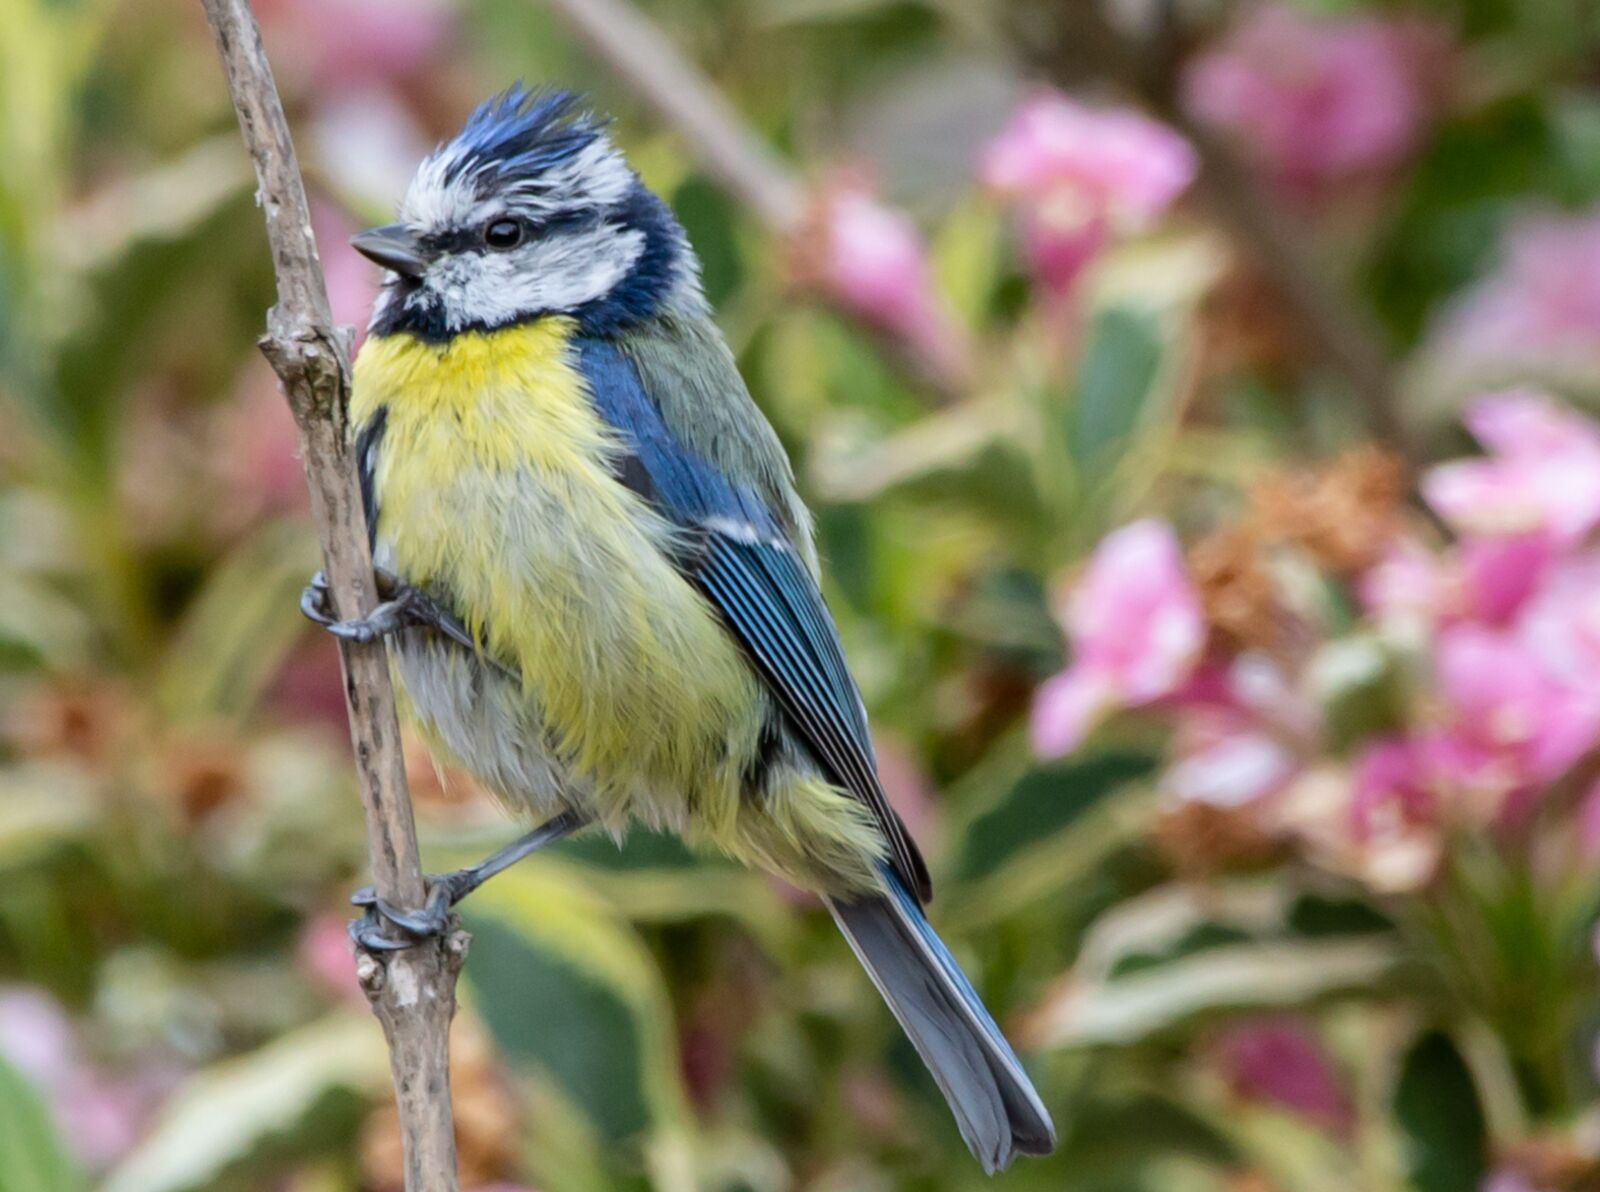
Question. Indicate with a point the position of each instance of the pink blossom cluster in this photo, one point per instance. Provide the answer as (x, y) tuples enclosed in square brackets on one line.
[(872, 259), (1316, 100), (1080, 178), (1537, 311), (1493, 640)]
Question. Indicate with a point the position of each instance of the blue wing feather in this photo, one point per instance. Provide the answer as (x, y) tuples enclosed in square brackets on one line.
[(750, 571)]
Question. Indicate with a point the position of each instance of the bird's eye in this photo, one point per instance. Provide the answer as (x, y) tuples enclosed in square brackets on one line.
[(503, 234)]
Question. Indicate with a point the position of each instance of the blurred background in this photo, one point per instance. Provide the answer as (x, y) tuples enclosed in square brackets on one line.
[(1196, 399)]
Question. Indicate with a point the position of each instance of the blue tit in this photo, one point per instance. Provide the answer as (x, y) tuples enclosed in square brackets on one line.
[(602, 590)]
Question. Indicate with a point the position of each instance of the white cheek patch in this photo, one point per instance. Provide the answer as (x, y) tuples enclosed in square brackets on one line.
[(554, 275)]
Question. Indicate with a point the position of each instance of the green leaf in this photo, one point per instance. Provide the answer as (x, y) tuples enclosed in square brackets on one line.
[(711, 221), (43, 806), (231, 1111), (238, 629), (1116, 378), (1436, 1105), (572, 994), (1231, 977), (1043, 802), (1177, 919), (966, 256), (31, 1156), (39, 625)]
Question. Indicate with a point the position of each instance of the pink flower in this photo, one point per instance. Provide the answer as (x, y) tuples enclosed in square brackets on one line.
[(1542, 473), (99, 1118), (352, 279), (1281, 1061), (1406, 588), (1394, 815), (1506, 1180), (1500, 575), (872, 259), (1137, 634), (1315, 100), (367, 144), (342, 44), (1081, 177), (1413, 590), (1243, 732), (1539, 309), (1227, 762), (1512, 723), (1391, 788), (323, 954), (1561, 624)]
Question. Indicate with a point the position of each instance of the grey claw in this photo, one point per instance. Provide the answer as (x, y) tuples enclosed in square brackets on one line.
[(389, 617), (354, 631), (365, 933), (427, 922), (314, 601), (431, 920)]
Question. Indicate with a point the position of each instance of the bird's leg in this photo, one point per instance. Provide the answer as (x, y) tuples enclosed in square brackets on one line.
[(403, 607), (447, 889)]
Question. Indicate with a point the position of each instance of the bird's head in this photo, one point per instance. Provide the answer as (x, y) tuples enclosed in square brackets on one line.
[(529, 210)]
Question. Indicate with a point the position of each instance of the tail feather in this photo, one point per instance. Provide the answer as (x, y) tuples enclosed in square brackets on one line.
[(995, 1105)]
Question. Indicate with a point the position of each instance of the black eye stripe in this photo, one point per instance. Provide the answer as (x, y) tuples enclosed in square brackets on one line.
[(461, 240)]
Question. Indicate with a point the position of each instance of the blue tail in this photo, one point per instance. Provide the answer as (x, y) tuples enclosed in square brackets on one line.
[(995, 1105)]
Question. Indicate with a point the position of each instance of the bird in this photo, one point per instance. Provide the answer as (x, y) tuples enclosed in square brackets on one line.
[(600, 593)]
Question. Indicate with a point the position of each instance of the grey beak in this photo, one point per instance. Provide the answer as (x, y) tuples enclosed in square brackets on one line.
[(393, 246)]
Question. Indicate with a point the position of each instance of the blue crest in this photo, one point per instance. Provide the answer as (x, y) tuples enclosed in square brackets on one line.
[(521, 133)]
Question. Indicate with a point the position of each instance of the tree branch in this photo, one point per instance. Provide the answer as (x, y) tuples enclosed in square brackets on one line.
[(675, 89), (412, 991)]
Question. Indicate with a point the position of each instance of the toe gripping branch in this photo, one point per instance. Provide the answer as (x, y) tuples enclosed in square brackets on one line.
[(447, 889), (403, 607)]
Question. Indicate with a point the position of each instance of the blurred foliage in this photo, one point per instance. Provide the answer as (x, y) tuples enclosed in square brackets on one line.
[(177, 824)]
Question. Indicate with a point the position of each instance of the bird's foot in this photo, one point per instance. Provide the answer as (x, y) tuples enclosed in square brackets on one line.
[(444, 891), (447, 889), (403, 607)]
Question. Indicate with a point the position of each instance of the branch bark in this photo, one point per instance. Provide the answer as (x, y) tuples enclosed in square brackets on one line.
[(412, 991)]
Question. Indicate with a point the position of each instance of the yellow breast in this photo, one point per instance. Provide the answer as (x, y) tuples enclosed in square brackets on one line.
[(495, 487)]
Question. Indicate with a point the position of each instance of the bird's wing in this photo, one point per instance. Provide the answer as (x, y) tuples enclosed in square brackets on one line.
[(742, 558)]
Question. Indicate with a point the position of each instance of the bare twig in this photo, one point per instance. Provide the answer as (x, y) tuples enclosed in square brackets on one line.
[(643, 58), (412, 990), (647, 62), (1074, 43)]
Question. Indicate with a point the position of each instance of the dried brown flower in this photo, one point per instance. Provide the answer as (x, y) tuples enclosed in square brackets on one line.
[(198, 775), (1343, 515), (90, 720), (1200, 840), (1228, 567)]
